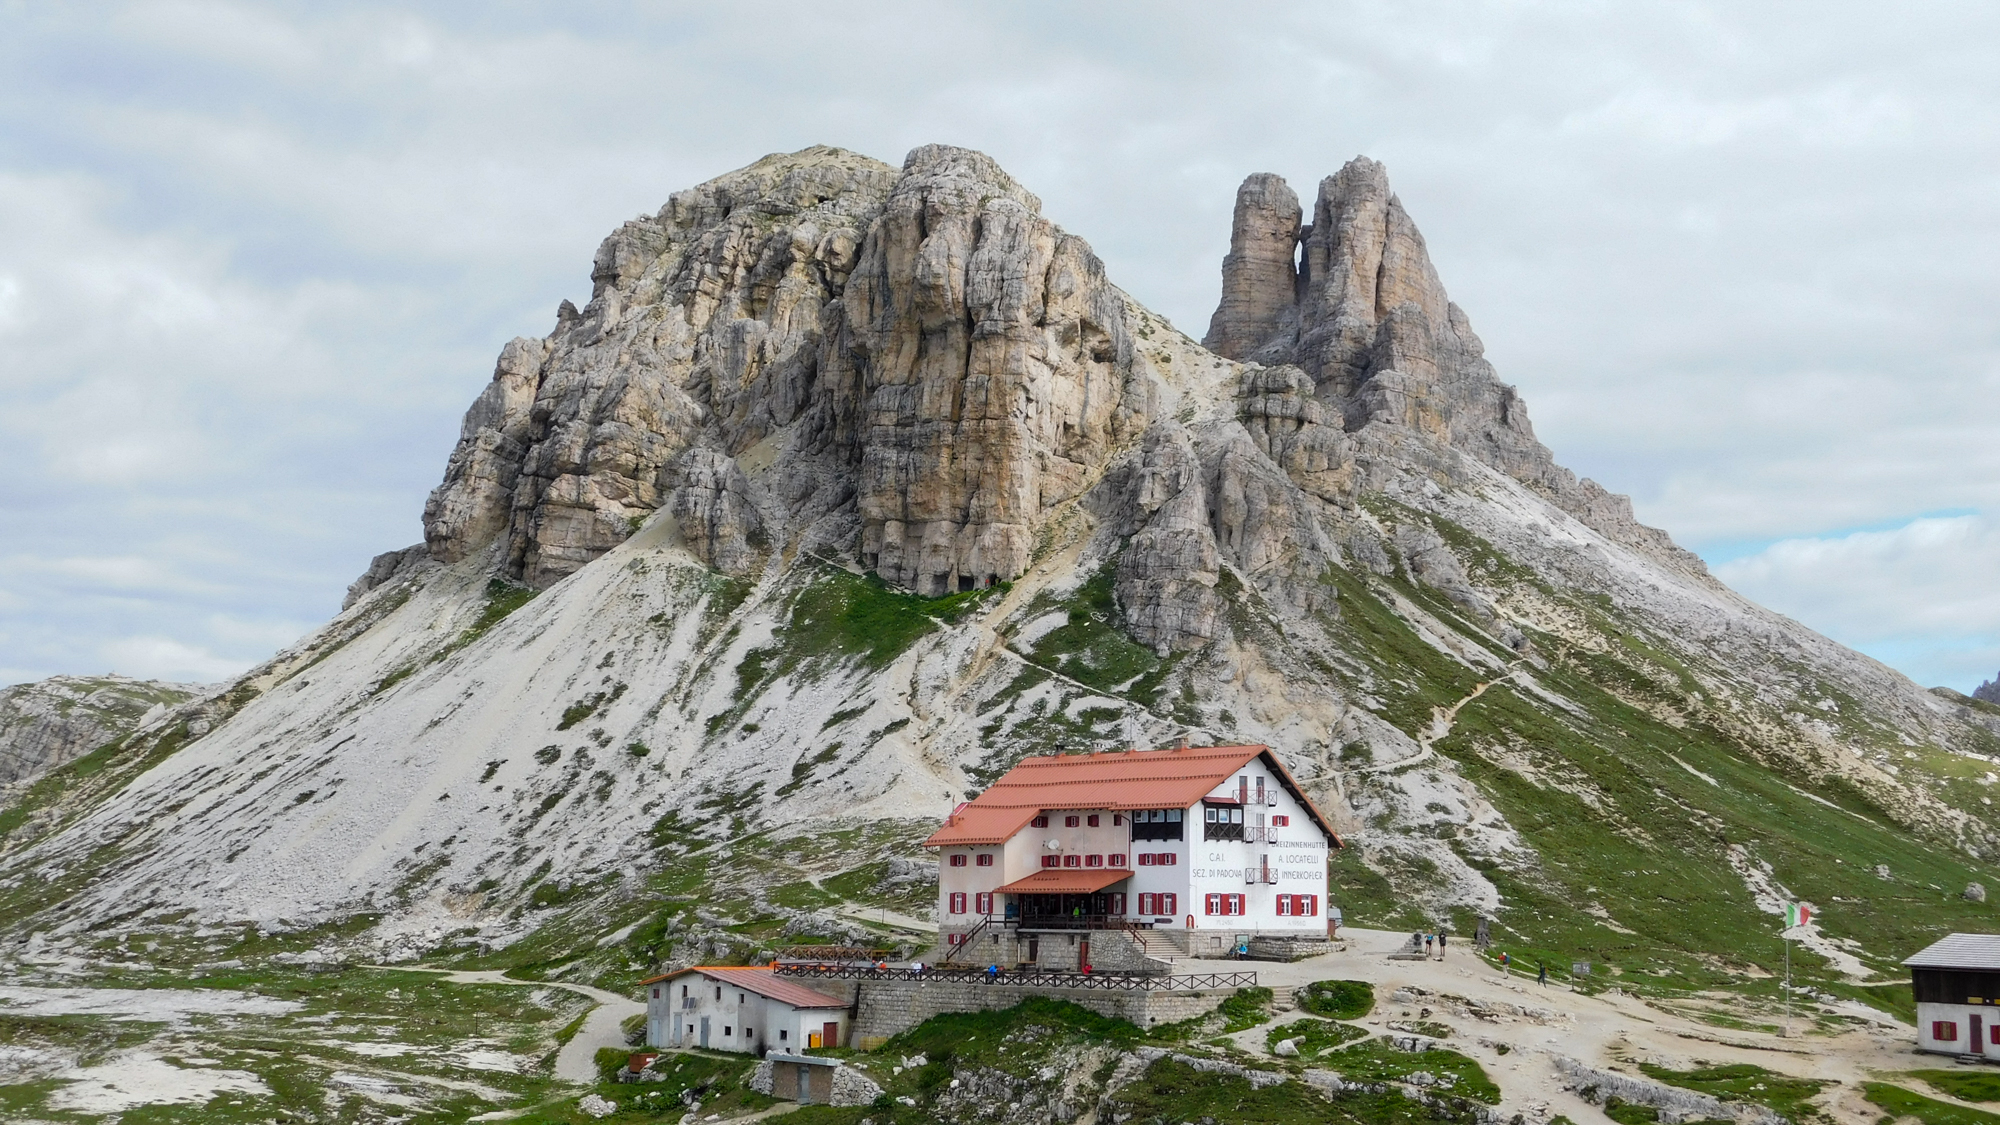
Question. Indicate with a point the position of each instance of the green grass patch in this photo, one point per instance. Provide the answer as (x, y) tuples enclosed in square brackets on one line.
[(1965, 1085), (1378, 1060), (1902, 1103), (1338, 999), (1313, 1037), (1744, 1082)]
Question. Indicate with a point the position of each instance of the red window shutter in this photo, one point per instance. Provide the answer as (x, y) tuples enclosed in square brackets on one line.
[(958, 902), (1069, 822), (1239, 905), (1051, 861), (983, 902), (1169, 903), (1039, 822), (1093, 861), (1145, 904), (1284, 905), (1211, 904), (1072, 861), (1171, 859), (1312, 905), (1116, 820), (958, 861), (985, 859), (1091, 820), (1115, 860), (1145, 859)]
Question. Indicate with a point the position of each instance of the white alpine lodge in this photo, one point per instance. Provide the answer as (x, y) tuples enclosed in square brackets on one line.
[(1218, 845)]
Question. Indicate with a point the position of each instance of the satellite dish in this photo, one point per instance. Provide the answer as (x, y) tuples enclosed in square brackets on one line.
[(1052, 844)]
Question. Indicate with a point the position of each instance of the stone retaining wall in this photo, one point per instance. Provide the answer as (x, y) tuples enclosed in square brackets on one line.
[(887, 1007)]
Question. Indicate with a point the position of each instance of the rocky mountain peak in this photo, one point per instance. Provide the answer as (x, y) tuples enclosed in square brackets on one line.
[(1988, 691)]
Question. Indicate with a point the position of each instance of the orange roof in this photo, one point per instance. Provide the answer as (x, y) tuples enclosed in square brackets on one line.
[(761, 981), (1066, 881), (1120, 779)]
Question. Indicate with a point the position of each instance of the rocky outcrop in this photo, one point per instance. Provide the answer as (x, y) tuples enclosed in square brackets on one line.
[(1260, 275), (1989, 691), (50, 722), (992, 356), (1377, 342), (703, 333), (384, 569)]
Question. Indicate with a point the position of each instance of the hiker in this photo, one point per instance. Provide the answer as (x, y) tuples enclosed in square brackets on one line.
[(1542, 977), (993, 972), (1427, 947), (1440, 945)]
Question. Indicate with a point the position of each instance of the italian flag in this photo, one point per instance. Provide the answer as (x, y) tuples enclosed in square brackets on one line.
[(1797, 914)]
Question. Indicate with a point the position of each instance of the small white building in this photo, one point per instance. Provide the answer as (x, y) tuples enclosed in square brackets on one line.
[(1218, 840), (1957, 986), (736, 1008)]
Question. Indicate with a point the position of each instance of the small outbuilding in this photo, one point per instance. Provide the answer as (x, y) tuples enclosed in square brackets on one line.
[(738, 1008), (1957, 986)]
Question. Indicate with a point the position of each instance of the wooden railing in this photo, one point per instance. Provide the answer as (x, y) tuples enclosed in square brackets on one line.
[(1032, 978)]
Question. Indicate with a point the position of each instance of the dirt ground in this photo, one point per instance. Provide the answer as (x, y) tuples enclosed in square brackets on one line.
[(1609, 1031)]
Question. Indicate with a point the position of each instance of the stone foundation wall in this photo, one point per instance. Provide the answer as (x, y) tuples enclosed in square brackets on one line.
[(888, 1007)]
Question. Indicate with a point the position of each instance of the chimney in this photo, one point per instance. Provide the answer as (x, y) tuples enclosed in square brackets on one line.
[(1181, 743)]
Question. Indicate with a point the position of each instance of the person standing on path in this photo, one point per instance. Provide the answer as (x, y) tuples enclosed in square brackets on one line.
[(1427, 947), (1542, 976), (1440, 945)]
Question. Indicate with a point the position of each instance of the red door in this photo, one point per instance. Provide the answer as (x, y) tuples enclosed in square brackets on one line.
[(1083, 955), (829, 1035)]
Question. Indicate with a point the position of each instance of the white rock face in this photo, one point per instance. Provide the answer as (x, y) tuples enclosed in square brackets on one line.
[(49, 722), (1350, 547)]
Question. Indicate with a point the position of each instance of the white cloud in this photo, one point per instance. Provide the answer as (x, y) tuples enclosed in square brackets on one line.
[(256, 259), (1922, 596), (162, 658)]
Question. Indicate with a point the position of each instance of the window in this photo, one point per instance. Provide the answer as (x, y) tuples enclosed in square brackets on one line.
[(1281, 822), (1072, 861), (1116, 903), (1224, 904), (1116, 820), (1285, 905), (726, 1030), (1115, 860), (985, 859), (1149, 904), (684, 990), (1168, 859), (1145, 860), (958, 861), (1169, 903), (1039, 822), (1298, 906), (983, 902), (783, 1035), (1235, 904), (1260, 790), (1051, 861), (1093, 861), (1996, 1034), (1211, 904), (1156, 824), (1944, 1031), (656, 994), (748, 1032), (718, 994), (1091, 820), (1071, 821), (958, 902), (954, 939)]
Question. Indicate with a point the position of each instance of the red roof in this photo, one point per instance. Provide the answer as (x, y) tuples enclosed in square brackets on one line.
[(1066, 881), (1121, 779), (761, 981)]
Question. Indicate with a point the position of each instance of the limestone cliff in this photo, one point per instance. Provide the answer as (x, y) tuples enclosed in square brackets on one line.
[(50, 722)]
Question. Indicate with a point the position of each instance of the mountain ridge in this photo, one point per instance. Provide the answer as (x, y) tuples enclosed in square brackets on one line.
[(852, 484)]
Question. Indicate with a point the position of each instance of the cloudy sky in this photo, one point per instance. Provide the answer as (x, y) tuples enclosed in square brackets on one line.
[(255, 259)]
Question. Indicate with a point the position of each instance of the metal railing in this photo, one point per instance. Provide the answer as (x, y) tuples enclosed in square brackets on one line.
[(965, 940), (1032, 978), (1258, 875)]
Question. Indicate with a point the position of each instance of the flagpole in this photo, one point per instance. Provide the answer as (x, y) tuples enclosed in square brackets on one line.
[(1788, 984)]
